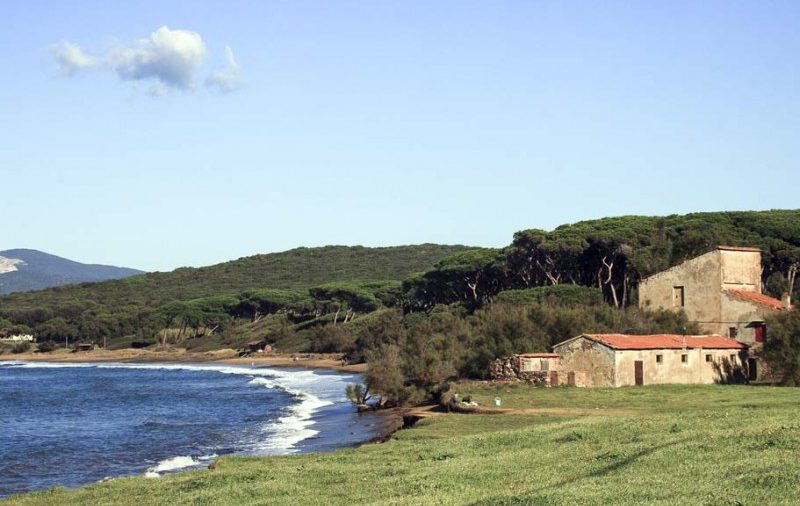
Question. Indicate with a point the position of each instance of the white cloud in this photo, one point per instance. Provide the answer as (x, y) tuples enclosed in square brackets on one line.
[(228, 80), (171, 57), (168, 59), (71, 58)]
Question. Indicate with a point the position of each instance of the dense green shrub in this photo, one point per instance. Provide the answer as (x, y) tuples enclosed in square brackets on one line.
[(21, 347), (46, 346), (566, 295), (332, 339), (782, 346)]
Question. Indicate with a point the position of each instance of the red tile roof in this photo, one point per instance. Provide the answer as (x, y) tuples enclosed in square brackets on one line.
[(738, 248), (663, 341), (758, 298)]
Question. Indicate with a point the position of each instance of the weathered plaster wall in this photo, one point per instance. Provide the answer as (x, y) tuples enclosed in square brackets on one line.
[(672, 369), (741, 314), (741, 270), (585, 355), (705, 279), (701, 280)]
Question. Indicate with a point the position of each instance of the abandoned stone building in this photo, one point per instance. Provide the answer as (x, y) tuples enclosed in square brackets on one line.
[(720, 291), (615, 360)]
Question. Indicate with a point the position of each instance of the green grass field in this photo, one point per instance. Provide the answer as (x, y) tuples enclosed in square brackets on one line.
[(660, 444)]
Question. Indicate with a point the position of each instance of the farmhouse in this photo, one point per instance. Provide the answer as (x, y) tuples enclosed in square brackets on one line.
[(614, 360), (720, 291)]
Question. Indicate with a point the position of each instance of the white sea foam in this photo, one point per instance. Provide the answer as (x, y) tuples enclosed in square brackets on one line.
[(176, 464), (310, 390), (288, 430)]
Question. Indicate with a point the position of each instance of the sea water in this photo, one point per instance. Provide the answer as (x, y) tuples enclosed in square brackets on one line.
[(73, 424)]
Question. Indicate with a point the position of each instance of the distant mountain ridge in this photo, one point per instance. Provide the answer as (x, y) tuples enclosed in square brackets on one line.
[(296, 268), (24, 270)]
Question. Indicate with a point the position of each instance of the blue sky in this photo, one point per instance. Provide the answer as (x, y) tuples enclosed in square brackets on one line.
[(384, 123)]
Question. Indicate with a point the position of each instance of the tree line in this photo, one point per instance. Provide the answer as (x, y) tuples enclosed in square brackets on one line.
[(611, 254)]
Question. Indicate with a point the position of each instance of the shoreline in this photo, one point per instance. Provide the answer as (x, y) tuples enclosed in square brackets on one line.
[(393, 419), (388, 421), (325, 361)]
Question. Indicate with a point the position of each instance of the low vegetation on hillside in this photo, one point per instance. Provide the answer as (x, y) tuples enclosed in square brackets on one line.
[(648, 445), (135, 308)]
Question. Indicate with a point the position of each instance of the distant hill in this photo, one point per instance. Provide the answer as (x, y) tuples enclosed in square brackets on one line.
[(23, 270), (296, 268)]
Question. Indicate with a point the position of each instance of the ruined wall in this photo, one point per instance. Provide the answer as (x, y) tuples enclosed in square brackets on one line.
[(586, 356), (741, 270), (671, 369), (509, 369), (532, 364), (701, 279)]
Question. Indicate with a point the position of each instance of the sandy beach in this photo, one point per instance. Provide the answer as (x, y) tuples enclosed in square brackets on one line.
[(303, 360)]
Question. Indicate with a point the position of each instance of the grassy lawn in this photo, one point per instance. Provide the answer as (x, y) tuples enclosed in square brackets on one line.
[(660, 444)]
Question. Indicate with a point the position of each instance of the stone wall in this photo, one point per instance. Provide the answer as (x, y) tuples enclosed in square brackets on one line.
[(508, 369), (594, 361)]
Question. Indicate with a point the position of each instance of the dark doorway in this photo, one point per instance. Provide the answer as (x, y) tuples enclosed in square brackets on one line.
[(760, 332), (638, 370), (571, 378), (553, 378), (752, 369)]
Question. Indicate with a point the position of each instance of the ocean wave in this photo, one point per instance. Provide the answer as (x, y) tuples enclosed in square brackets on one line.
[(287, 431), (164, 424), (310, 391), (176, 464)]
